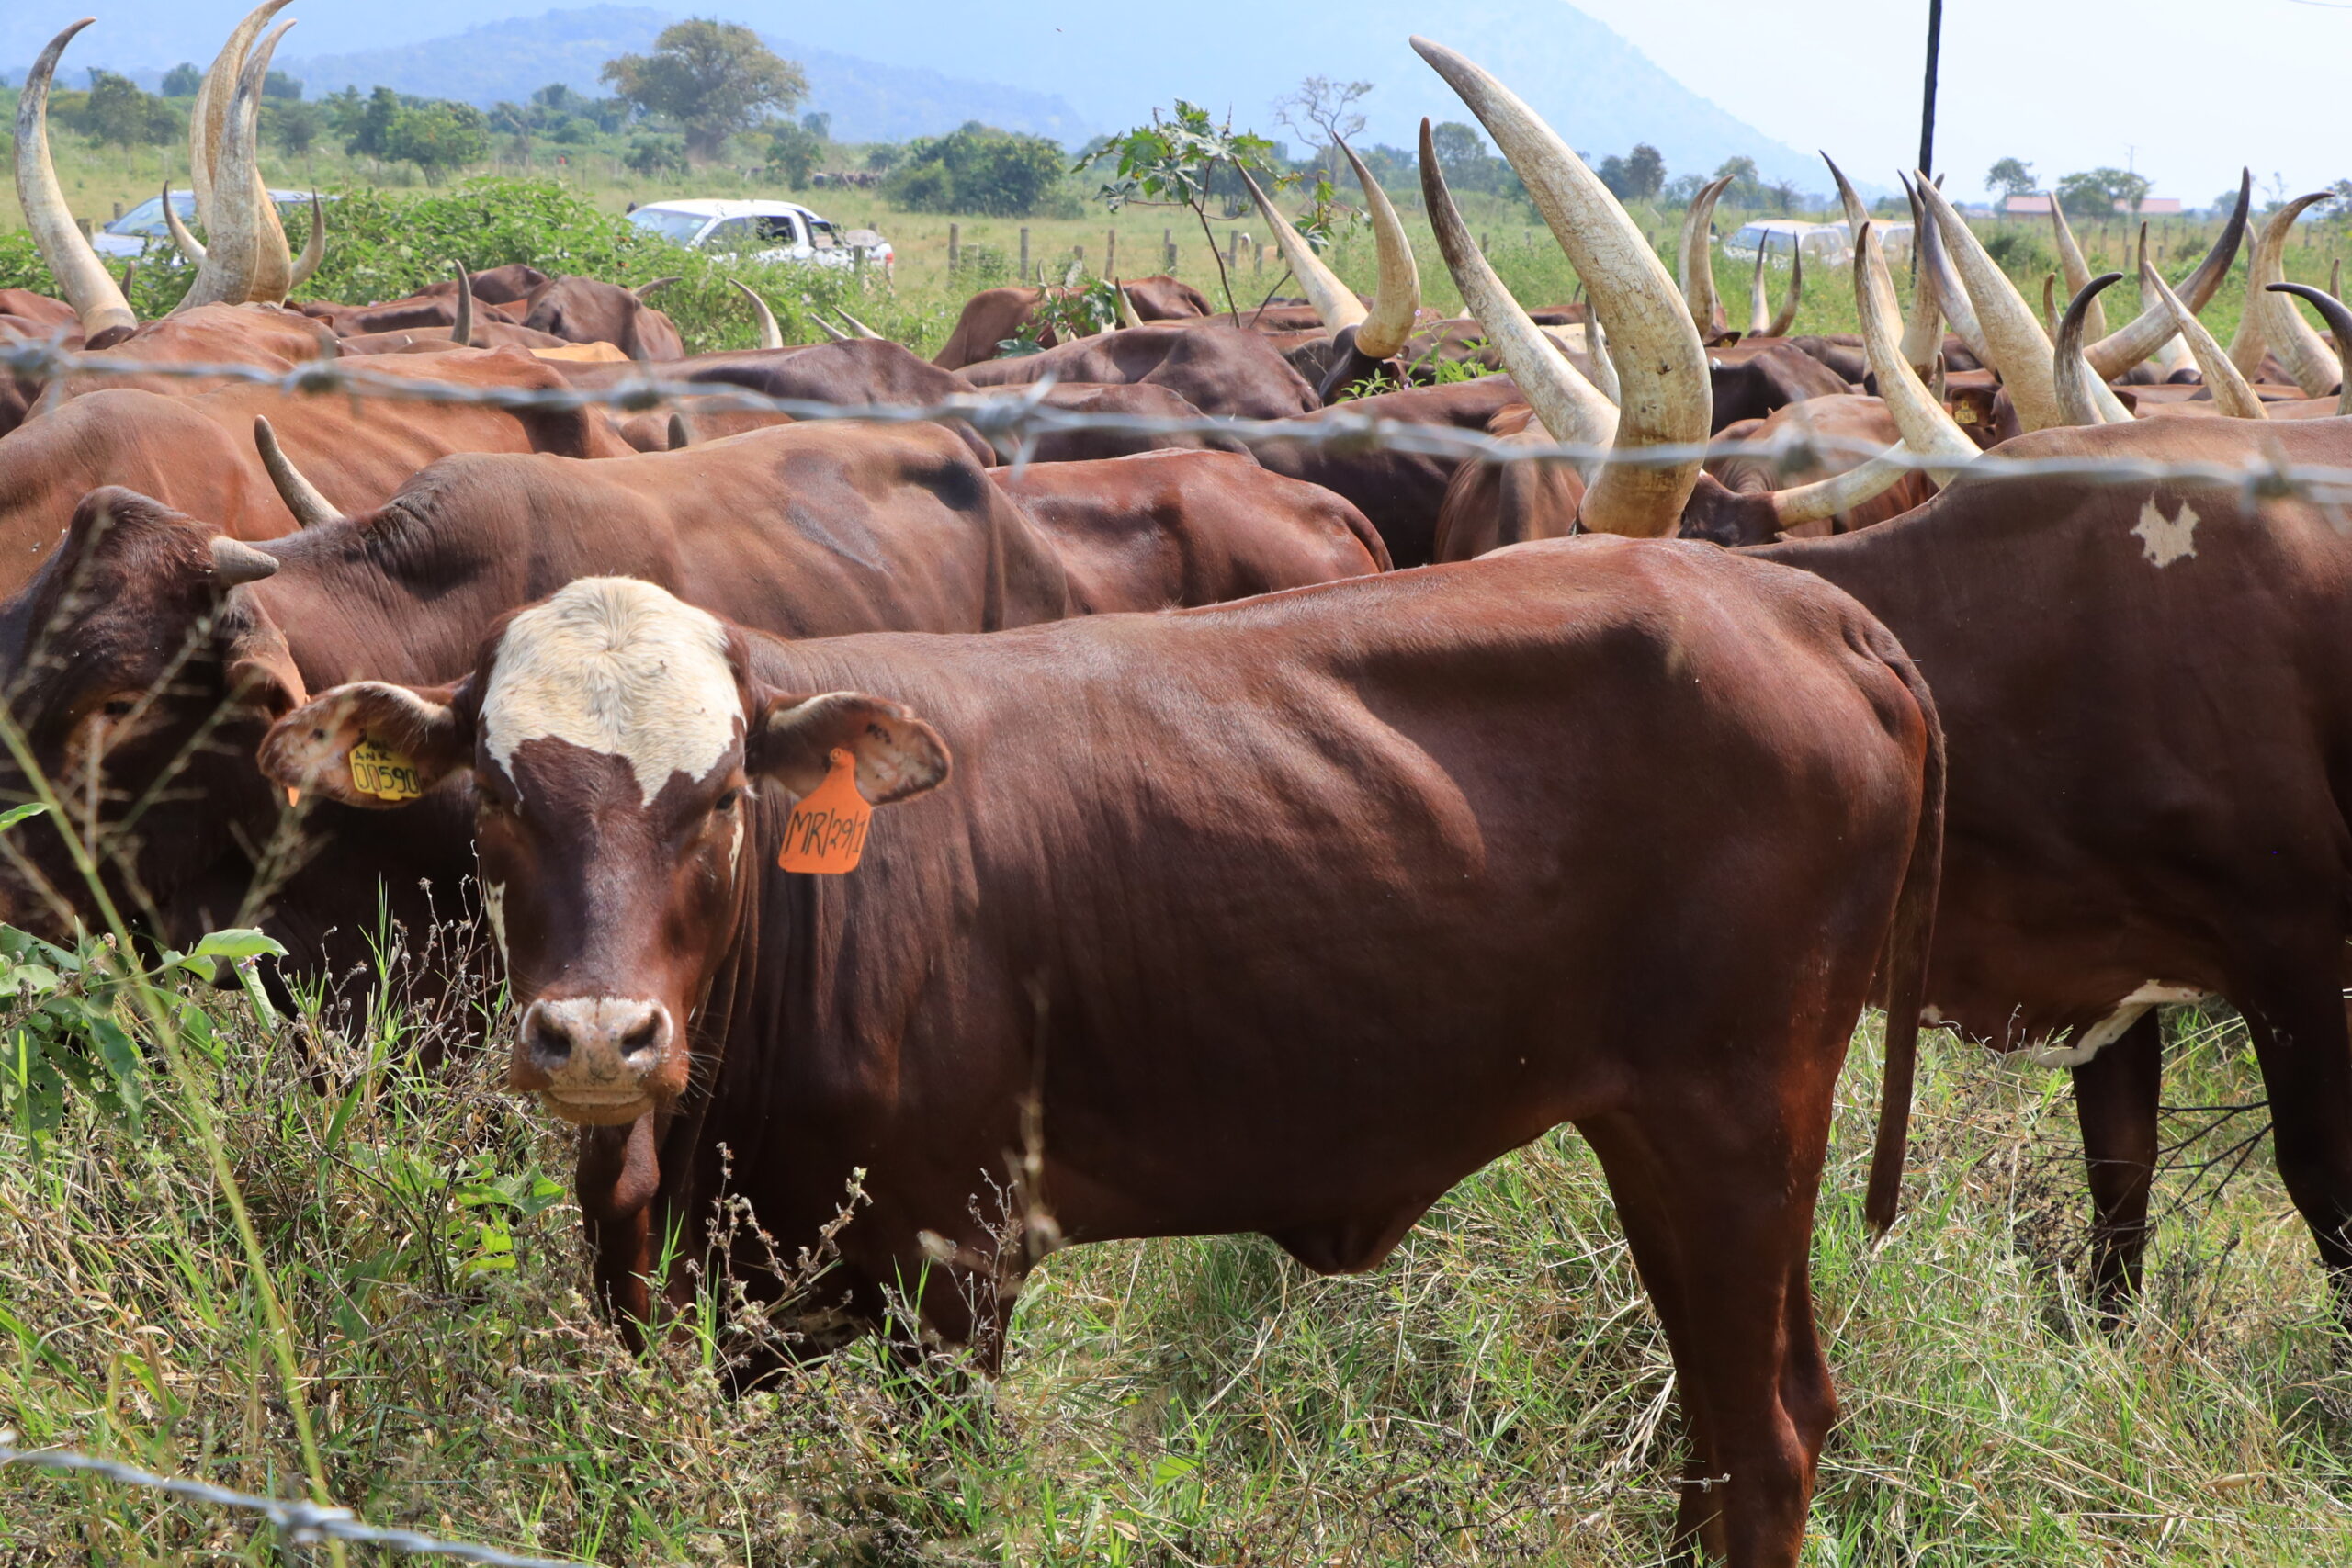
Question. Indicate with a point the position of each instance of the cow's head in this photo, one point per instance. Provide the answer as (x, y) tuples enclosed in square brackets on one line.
[(617, 744), (136, 663)]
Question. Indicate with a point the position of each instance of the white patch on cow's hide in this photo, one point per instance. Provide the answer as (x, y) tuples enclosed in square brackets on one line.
[(2112, 1028), (2167, 541), (493, 905), (616, 666)]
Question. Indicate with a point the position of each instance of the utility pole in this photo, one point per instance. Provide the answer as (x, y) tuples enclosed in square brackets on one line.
[(1928, 110)]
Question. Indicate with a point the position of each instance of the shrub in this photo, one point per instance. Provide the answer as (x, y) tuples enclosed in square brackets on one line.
[(977, 169)]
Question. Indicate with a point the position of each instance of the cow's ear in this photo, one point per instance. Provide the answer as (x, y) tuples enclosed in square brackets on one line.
[(793, 738), (258, 665), (371, 743)]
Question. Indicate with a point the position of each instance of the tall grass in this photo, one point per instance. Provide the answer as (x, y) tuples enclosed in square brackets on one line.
[(1498, 1391)]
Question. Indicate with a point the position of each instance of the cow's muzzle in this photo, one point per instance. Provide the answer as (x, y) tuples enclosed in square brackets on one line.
[(597, 1060)]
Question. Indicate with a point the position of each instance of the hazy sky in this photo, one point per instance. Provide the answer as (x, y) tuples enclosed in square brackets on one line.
[(2186, 90)]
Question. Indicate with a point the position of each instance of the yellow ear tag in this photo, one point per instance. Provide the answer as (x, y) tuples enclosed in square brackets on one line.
[(826, 833), (383, 773)]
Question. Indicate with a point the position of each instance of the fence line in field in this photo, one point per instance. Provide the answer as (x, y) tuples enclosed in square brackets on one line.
[(1016, 416), (304, 1523)]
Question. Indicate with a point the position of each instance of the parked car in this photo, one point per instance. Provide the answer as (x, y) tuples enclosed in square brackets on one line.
[(1824, 242), (762, 230), (141, 231)]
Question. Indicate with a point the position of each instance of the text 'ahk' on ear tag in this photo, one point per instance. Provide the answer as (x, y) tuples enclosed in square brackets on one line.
[(826, 833)]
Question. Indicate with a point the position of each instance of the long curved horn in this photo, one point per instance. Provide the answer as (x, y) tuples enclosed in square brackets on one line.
[(1786, 316), (235, 269), (314, 249), (2049, 304), (1664, 398), (1127, 316), (771, 335), (105, 315), (2232, 396), (645, 291), (1604, 365), (1840, 492), (860, 328), (831, 331), (1923, 329), (1396, 302), (2339, 323), (2077, 271), (2069, 375), (2117, 353), (301, 497), (1335, 303), (1855, 213), (2021, 351), (208, 118), (2285, 333), (1759, 310), (1936, 271), (2173, 354), (1696, 255), (188, 245), (1568, 406), (461, 333), (1917, 413)]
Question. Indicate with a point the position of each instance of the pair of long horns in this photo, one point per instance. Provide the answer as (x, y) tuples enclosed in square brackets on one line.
[(1664, 396), (245, 257), (1761, 322), (1382, 329)]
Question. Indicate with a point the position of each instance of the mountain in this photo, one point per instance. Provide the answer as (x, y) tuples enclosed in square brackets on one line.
[(514, 59), (1066, 70)]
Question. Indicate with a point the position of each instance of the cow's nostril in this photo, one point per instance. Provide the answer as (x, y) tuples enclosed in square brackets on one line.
[(550, 1041), (644, 1033)]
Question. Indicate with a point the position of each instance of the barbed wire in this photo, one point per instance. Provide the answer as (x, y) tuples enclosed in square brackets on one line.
[(304, 1523), (1018, 415)]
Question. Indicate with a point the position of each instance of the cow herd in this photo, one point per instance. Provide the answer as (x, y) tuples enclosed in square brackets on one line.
[(1164, 836)]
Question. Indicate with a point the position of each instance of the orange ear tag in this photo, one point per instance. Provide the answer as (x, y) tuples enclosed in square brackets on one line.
[(826, 833)]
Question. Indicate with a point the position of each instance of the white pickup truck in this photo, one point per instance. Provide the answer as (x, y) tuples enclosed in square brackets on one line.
[(761, 231)]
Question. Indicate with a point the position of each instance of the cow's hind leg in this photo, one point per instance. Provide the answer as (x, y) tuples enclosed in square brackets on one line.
[(1717, 1194), (2116, 1095), (2305, 1051)]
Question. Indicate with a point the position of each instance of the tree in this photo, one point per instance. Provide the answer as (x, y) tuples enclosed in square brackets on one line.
[(118, 113), (713, 78), (977, 169), (364, 122), (1747, 187), (2096, 193), (817, 124), (1640, 173), (1170, 161), (293, 127), (181, 81), (279, 85), (437, 136), (793, 151), (2010, 176), (652, 156), (1463, 158), (1322, 111)]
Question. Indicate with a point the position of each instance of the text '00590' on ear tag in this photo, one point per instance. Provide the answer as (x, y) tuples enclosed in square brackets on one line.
[(383, 773)]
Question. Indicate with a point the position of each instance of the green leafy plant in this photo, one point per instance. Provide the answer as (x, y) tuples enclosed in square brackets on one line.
[(1170, 163)]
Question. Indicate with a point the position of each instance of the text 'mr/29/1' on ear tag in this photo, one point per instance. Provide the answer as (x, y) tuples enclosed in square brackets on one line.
[(383, 773), (826, 833)]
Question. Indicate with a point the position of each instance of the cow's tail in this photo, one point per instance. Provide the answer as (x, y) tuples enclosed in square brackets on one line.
[(1906, 966)]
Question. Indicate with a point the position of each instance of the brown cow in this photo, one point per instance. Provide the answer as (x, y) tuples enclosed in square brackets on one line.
[(1167, 528), (1219, 371), (1282, 916), (995, 315)]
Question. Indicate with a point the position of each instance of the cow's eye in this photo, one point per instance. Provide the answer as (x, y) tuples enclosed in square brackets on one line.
[(118, 707), (727, 801)]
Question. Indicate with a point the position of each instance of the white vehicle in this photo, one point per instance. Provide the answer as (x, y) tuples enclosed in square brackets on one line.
[(762, 230), (141, 231), (1826, 243)]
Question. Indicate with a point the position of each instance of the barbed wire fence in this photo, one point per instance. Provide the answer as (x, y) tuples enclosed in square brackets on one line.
[(303, 1524), (1015, 417)]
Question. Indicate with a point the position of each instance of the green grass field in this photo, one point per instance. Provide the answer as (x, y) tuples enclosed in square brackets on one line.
[(1498, 1391)]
